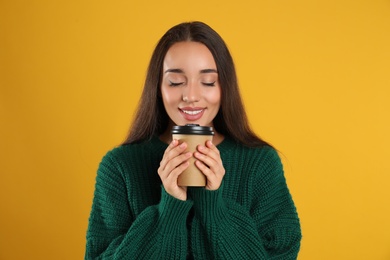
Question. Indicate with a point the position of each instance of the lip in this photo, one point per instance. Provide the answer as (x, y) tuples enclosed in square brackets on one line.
[(192, 113)]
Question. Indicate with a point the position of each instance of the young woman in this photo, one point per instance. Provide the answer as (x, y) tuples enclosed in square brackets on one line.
[(139, 211)]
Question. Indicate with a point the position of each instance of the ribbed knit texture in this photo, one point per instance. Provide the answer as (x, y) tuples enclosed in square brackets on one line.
[(251, 216)]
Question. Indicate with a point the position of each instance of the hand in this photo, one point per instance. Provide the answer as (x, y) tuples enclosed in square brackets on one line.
[(173, 163), (210, 164)]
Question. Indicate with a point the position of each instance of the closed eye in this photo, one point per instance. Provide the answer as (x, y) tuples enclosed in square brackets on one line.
[(209, 84), (175, 84)]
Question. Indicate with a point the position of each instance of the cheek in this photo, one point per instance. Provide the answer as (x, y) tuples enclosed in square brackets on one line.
[(215, 97), (169, 95)]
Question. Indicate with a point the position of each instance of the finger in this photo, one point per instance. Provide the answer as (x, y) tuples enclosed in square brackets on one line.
[(177, 161), (172, 152), (172, 145), (212, 147), (206, 159), (170, 183), (210, 158), (174, 174), (165, 170), (166, 157), (205, 169), (210, 150), (209, 166), (213, 180)]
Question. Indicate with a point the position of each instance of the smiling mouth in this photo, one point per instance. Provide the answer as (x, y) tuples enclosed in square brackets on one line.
[(191, 112)]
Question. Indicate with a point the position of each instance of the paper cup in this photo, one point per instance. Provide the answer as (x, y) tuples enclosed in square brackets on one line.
[(193, 135)]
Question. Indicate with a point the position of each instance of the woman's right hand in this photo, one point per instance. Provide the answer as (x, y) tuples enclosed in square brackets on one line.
[(173, 163)]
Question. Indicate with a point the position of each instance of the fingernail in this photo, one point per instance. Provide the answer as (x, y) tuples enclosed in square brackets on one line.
[(182, 145)]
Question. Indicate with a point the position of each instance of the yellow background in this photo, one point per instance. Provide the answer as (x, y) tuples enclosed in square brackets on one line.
[(315, 78)]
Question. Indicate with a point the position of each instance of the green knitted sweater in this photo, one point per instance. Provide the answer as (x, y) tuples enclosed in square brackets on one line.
[(251, 216)]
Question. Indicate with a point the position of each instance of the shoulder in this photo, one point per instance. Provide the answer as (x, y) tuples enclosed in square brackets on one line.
[(269, 156), (116, 154), (113, 160), (132, 154), (265, 153), (254, 161), (116, 163), (265, 158), (154, 145)]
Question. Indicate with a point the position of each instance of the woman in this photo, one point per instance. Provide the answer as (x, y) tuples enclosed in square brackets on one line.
[(139, 211)]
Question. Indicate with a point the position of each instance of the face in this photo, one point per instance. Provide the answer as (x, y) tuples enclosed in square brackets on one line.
[(190, 87)]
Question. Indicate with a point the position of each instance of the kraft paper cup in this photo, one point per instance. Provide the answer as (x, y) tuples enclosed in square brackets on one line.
[(193, 135)]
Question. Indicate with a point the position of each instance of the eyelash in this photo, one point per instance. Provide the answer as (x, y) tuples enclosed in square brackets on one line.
[(211, 84), (174, 84)]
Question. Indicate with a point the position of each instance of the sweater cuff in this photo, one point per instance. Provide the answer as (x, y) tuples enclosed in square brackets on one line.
[(173, 212), (209, 205)]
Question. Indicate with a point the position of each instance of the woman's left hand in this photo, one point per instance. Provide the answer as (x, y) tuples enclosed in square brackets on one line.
[(210, 164)]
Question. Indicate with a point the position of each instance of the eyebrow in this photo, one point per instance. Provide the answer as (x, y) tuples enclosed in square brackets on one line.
[(209, 71), (181, 71)]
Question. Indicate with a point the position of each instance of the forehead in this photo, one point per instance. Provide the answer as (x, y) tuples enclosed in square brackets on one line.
[(187, 55)]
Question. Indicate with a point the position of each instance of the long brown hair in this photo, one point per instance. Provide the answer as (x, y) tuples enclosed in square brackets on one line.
[(231, 120)]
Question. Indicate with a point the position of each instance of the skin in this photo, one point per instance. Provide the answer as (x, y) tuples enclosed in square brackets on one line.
[(191, 95)]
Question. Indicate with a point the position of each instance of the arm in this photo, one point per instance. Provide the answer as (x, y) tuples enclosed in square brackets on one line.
[(115, 233), (269, 229)]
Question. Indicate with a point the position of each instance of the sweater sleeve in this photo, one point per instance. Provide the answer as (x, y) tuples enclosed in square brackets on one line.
[(158, 232), (270, 229)]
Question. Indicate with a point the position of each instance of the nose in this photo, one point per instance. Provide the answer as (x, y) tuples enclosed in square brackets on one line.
[(191, 93)]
